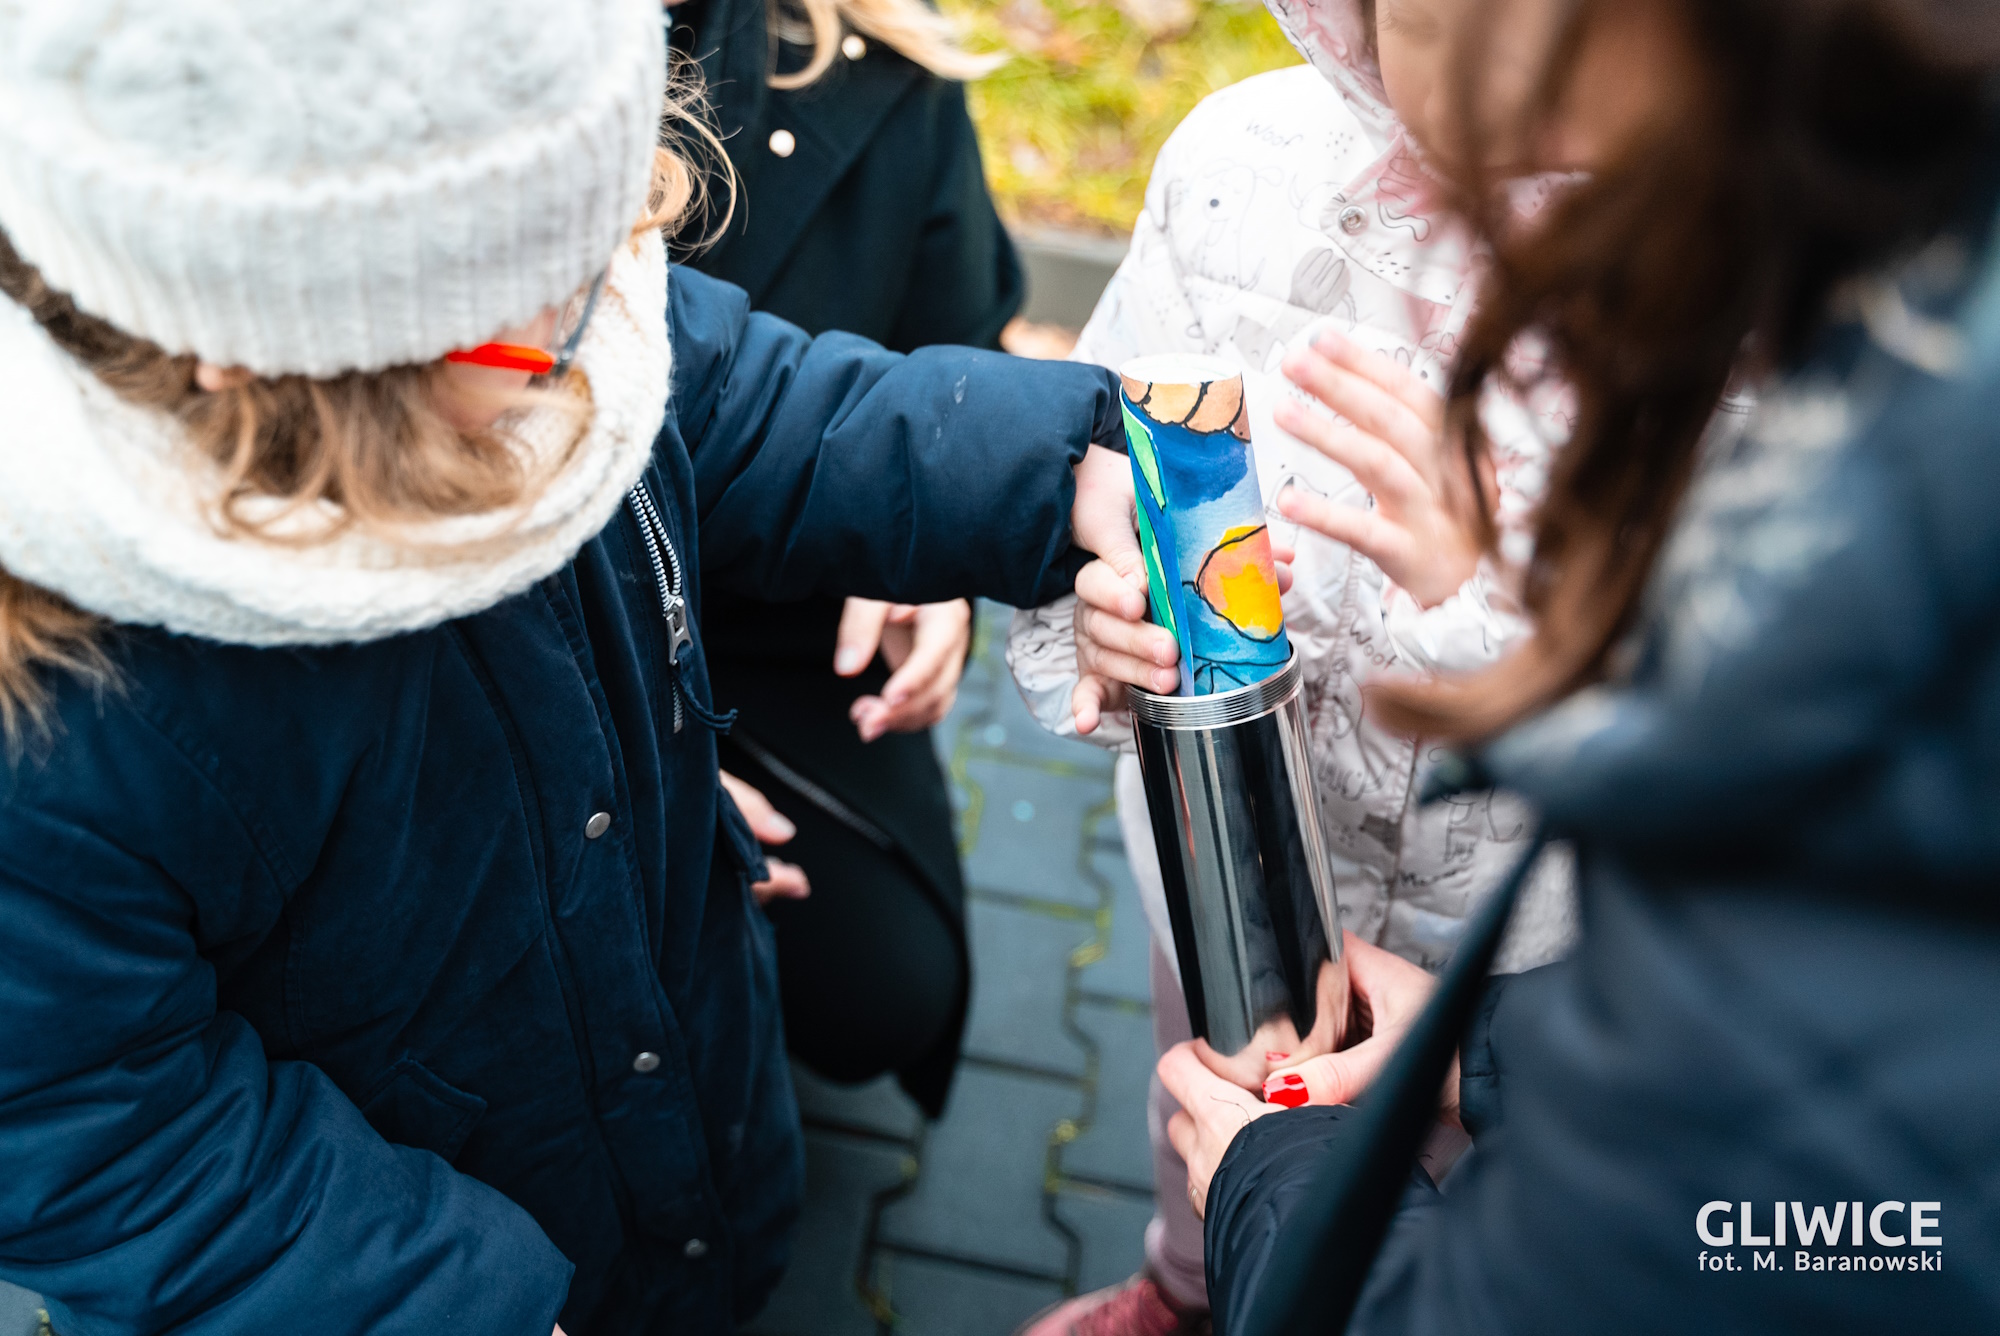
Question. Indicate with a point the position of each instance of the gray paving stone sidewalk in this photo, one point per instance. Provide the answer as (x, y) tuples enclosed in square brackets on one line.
[(1036, 1183)]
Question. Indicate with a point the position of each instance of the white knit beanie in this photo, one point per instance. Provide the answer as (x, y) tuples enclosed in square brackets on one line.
[(319, 186)]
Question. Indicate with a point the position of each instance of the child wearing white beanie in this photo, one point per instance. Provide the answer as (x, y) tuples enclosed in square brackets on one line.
[(380, 951), (273, 220), (458, 167)]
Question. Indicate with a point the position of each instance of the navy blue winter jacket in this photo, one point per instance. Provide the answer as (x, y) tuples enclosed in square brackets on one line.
[(1784, 1011), (329, 1004)]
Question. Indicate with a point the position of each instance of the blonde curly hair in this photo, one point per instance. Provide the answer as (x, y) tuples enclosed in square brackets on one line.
[(910, 27)]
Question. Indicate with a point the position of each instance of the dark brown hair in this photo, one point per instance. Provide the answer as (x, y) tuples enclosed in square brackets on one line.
[(1814, 138)]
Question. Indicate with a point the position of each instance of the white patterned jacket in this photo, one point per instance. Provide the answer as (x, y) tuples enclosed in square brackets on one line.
[(1285, 203)]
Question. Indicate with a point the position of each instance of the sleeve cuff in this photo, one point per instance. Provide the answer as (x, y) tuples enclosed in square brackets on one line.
[(1041, 654), (1467, 631)]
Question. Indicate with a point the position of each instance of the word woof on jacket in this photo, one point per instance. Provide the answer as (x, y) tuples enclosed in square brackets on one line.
[(379, 954)]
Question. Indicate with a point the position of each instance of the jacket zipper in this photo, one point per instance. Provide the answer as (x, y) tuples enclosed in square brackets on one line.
[(668, 577)]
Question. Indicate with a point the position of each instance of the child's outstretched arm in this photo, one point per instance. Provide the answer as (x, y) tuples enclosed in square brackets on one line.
[(1447, 606), (831, 465), (1389, 436)]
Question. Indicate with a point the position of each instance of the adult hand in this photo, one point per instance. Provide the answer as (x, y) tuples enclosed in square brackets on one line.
[(1116, 647), (1213, 1110), (770, 826), (1389, 993), (1392, 442), (924, 645)]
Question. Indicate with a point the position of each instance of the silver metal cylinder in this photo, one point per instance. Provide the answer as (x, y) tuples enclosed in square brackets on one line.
[(1249, 888)]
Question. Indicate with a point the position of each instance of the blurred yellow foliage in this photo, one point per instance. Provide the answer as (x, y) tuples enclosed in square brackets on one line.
[(1069, 126)]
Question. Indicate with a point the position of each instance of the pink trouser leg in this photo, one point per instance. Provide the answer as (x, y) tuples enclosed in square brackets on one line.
[(1173, 1239)]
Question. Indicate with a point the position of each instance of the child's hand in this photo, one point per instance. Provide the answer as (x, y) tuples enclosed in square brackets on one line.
[(1116, 647), (924, 645), (770, 826), (1104, 521), (1392, 442)]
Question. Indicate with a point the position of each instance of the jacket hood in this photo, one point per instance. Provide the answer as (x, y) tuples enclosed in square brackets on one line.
[(1333, 37), (105, 503)]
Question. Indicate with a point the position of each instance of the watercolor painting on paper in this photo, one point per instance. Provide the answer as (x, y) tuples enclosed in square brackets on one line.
[(1210, 575)]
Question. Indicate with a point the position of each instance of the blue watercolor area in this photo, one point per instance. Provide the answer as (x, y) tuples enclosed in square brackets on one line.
[(1199, 468), (1224, 657), (1210, 489)]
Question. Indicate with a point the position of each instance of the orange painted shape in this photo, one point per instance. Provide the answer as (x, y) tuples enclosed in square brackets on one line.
[(1220, 406), (1239, 580)]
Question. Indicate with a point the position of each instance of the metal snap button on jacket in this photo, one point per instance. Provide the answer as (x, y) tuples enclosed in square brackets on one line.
[(695, 1248), (1352, 219), (783, 142), (599, 823), (646, 1062), (853, 47)]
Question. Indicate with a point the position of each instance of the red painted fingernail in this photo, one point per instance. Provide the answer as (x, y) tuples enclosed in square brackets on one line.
[(1275, 1057), (1287, 1096), (1294, 1079)]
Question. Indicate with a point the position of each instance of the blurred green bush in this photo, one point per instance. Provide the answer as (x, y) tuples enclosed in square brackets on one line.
[(1070, 125)]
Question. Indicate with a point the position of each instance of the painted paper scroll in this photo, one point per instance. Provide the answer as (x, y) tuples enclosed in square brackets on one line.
[(1201, 521)]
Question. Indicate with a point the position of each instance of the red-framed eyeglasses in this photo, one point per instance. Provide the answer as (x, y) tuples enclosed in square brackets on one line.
[(571, 321)]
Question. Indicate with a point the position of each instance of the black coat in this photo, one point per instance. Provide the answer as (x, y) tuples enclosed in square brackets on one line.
[(877, 222), (327, 1006)]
